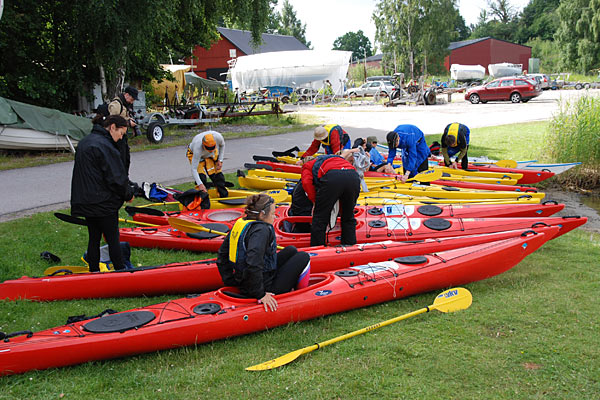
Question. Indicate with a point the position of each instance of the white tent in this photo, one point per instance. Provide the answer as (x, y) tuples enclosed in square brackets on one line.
[(301, 68)]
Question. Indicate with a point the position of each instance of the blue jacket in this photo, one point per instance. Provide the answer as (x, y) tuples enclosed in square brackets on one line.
[(376, 157), (414, 148)]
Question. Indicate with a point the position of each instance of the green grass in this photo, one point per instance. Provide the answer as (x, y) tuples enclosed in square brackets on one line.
[(266, 125)]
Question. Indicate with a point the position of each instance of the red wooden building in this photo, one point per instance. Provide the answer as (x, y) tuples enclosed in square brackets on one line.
[(485, 51), (212, 63)]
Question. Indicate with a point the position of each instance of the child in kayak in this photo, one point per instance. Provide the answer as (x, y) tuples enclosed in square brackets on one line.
[(455, 140), (248, 258)]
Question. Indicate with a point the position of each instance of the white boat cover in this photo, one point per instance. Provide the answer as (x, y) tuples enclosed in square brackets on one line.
[(301, 68), (505, 69), (466, 72)]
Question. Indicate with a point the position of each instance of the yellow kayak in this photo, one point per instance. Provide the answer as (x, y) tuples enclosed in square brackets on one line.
[(482, 174), (438, 193), (403, 199)]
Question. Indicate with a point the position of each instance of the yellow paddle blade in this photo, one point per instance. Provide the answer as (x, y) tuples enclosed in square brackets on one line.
[(427, 176), (448, 301), (452, 300), (65, 270), (191, 227), (284, 359), (506, 163)]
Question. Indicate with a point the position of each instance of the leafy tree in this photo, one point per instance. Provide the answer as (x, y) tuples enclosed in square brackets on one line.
[(545, 50), (461, 28), (53, 50), (502, 10), (356, 42), (538, 20), (415, 33), (499, 21), (289, 24), (578, 34)]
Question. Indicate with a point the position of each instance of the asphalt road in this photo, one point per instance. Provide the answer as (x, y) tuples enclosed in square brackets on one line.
[(46, 188)]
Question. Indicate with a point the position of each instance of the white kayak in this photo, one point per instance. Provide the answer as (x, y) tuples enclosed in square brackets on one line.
[(556, 168)]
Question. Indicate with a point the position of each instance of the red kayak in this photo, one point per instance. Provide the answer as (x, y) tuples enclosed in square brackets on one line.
[(201, 276), (529, 176), (229, 216), (369, 228), (220, 314)]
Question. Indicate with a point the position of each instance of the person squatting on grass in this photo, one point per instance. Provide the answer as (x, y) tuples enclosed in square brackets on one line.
[(100, 185), (327, 179), (248, 258), (206, 153), (415, 151), (455, 140)]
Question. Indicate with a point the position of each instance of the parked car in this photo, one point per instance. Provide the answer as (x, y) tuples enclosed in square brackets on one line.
[(515, 89), (379, 88), (542, 79)]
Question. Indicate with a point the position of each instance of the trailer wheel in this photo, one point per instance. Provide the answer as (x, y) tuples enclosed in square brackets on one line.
[(578, 86), (430, 97), (155, 133)]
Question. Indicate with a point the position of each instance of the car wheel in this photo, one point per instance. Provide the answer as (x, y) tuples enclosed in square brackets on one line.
[(515, 98), (155, 133), (474, 98), (579, 86)]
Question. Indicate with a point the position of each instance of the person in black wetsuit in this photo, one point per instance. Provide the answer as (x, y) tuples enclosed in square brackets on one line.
[(248, 258)]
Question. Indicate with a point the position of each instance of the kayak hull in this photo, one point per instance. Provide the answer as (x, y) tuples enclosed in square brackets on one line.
[(218, 314)]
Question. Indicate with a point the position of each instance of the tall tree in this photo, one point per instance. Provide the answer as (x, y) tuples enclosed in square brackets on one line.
[(414, 32), (578, 34), (499, 20), (53, 50), (538, 20), (356, 42), (289, 24), (502, 10)]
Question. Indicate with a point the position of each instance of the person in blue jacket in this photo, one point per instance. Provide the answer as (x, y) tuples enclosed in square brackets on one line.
[(415, 151)]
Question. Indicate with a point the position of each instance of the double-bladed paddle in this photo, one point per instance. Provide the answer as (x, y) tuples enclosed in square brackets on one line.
[(451, 300), (80, 221)]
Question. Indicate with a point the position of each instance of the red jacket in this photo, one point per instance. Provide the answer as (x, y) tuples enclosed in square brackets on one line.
[(308, 175), (334, 145)]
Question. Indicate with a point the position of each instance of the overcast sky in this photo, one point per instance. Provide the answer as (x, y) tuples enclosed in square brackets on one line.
[(326, 20)]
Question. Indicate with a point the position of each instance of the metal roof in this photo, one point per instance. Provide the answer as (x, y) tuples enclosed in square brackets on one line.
[(463, 43), (243, 41)]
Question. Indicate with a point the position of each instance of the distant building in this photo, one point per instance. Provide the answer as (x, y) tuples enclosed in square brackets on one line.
[(212, 63), (485, 51), (372, 61)]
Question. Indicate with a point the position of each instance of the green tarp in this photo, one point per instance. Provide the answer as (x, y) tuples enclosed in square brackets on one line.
[(21, 115), (193, 79)]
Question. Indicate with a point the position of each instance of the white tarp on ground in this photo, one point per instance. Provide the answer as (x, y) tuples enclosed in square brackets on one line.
[(466, 72), (301, 68)]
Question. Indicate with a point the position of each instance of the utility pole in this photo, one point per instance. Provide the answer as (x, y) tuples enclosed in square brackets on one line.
[(365, 64)]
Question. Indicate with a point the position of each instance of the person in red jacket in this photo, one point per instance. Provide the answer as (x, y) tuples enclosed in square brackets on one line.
[(332, 137), (327, 179)]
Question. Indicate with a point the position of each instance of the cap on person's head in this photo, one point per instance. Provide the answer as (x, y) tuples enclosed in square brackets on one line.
[(320, 133), (209, 142), (133, 92), (391, 138), (372, 139)]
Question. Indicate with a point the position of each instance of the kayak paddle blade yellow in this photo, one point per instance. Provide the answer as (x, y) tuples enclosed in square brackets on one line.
[(190, 227), (451, 300), (427, 176), (280, 361), (506, 163)]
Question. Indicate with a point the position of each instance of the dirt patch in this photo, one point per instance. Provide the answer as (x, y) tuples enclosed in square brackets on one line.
[(574, 206)]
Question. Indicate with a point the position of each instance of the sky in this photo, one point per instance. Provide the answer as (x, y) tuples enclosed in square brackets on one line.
[(326, 20)]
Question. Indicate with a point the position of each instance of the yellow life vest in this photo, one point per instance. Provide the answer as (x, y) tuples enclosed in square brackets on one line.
[(453, 131), (234, 238), (327, 140)]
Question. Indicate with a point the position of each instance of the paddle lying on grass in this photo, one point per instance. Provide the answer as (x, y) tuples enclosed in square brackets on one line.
[(451, 300), (80, 221), (192, 227)]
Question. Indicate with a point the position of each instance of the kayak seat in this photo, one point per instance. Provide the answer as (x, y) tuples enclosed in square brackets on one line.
[(234, 294), (120, 322), (411, 260), (375, 211), (429, 210), (437, 224)]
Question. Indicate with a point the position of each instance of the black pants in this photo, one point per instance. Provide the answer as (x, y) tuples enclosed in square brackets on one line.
[(290, 264), (301, 206), (342, 185), (464, 164), (219, 180), (423, 167), (109, 227)]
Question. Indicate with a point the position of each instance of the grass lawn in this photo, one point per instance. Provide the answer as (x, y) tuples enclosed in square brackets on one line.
[(531, 332)]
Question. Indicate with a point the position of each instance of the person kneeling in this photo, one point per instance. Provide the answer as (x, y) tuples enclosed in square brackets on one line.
[(248, 258)]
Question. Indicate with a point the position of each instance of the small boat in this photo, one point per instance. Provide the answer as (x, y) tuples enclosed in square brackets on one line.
[(201, 276), (554, 168), (504, 69), (225, 313), (467, 72)]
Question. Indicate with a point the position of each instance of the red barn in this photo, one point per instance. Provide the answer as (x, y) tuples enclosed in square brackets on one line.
[(212, 63), (485, 51)]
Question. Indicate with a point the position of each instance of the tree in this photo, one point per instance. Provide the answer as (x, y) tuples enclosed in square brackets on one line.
[(578, 34), (461, 28), (415, 33), (538, 20), (356, 42), (53, 50), (289, 24), (498, 21), (502, 10)]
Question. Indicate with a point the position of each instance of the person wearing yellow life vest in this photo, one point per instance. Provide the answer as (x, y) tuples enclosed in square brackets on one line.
[(332, 137), (206, 153), (455, 140), (248, 258)]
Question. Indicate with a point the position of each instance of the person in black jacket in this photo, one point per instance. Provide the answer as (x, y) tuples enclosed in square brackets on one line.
[(99, 187), (248, 257)]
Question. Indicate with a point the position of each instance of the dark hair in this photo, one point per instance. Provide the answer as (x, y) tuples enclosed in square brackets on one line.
[(257, 203), (108, 121), (358, 142), (391, 137), (449, 140)]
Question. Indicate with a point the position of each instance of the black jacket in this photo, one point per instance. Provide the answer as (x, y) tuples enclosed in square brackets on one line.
[(255, 280), (100, 183)]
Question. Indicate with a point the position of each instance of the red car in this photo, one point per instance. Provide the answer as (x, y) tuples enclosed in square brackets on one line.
[(515, 89)]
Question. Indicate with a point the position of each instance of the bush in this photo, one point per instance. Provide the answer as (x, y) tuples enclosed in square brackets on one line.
[(574, 135)]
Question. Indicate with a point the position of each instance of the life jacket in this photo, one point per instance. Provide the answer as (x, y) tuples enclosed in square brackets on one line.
[(453, 131), (237, 246), (317, 166), (344, 138)]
